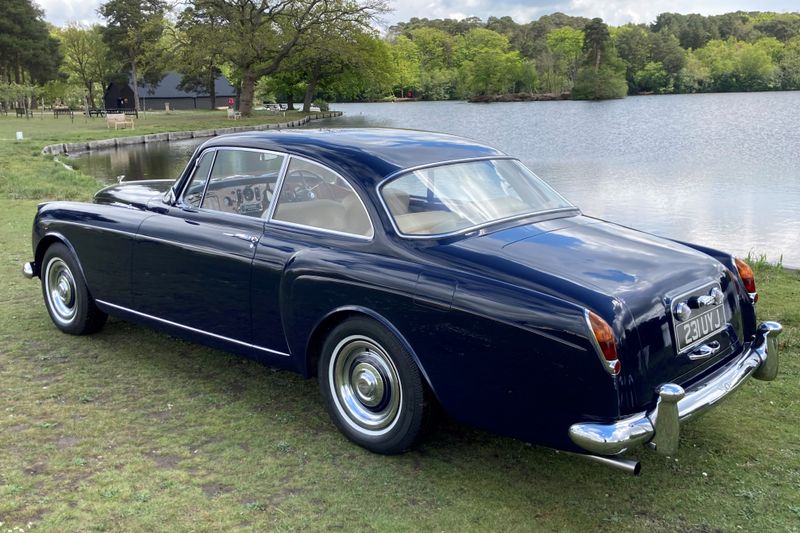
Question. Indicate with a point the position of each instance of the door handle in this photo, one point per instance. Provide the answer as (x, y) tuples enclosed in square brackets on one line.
[(252, 239)]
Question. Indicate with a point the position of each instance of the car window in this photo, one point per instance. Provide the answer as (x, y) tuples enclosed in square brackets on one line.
[(194, 191), (242, 181), (450, 198), (314, 196)]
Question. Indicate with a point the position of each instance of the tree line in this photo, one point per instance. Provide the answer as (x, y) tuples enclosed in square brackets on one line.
[(302, 50)]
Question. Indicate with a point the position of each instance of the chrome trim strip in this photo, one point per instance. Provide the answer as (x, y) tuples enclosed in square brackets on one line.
[(442, 164), (759, 359), (282, 179), (194, 330), (90, 226), (278, 187), (320, 230), (469, 229)]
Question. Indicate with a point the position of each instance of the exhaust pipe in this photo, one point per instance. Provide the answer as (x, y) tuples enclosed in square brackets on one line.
[(628, 466)]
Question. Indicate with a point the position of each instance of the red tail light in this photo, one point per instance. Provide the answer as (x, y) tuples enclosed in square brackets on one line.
[(749, 280), (606, 342)]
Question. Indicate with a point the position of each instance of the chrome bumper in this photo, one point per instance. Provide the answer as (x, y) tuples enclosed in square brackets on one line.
[(28, 270), (660, 428)]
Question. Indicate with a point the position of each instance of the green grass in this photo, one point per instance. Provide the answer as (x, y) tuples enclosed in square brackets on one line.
[(132, 430)]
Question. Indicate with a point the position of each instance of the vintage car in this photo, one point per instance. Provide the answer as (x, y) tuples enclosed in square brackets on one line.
[(410, 270)]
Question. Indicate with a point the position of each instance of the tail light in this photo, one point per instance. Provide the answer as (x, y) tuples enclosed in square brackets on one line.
[(605, 342), (748, 279)]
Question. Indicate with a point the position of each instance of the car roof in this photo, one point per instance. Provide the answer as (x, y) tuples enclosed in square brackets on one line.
[(365, 154)]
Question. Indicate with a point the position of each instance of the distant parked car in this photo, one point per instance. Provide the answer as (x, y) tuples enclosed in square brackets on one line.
[(407, 269)]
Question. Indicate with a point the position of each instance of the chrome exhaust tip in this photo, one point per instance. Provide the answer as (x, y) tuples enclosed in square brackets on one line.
[(629, 466)]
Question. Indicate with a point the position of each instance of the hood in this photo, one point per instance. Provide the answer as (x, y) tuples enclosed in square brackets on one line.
[(136, 194)]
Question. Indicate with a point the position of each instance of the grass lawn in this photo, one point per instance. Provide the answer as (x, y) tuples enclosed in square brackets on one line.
[(132, 430)]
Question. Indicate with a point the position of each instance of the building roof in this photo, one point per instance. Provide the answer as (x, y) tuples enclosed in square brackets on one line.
[(367, 155), (168, 88)]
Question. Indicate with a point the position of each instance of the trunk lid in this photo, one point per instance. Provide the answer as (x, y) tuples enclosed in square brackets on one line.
[(647, 275)]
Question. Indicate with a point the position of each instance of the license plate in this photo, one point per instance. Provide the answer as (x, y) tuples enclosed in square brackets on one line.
[(700, 327)]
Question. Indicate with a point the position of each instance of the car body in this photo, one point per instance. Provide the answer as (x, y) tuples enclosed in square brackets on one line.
[(408, 269)]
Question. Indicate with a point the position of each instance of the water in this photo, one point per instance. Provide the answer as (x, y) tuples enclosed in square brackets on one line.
[(717, 169)]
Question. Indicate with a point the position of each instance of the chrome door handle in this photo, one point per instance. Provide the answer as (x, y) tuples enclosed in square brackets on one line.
[(252, 239)]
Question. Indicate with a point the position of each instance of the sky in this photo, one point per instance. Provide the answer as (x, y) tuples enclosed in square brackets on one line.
[(614, 12)]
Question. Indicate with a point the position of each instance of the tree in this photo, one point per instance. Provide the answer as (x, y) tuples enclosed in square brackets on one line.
[(406, 61), (632, 43), (603, 73), (488, 66), (789, 74), (86, 57), (133, 33), (653, 77), (256, 36), (28, 53), (198, 52), (566, 44)]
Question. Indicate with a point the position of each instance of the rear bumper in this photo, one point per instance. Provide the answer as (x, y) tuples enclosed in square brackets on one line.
[(660, 428)]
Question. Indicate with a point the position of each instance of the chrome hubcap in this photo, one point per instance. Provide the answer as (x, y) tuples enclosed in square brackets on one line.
[(60, 290), (365, 384)]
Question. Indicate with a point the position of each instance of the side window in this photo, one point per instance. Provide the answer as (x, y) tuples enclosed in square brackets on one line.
[(242, 181), (314, 196), (194, 191)]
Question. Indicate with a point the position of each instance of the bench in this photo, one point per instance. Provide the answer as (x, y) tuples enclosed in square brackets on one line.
[(232, 113), (58, 111), (22, 112), (119, 119), (96, 113)]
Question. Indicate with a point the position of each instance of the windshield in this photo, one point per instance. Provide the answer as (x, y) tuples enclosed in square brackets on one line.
[(451, 198)]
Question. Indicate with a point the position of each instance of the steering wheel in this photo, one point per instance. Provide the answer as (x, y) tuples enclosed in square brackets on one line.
[(301, 186)]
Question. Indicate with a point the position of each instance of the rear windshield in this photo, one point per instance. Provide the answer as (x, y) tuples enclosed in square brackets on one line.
[(455, 197)]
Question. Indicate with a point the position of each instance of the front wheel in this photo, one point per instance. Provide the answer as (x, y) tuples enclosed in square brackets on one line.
[(68, 301), (372, 387)]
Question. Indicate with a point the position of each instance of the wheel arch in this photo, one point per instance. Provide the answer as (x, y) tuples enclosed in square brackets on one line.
[(335, 317), (48, 240)]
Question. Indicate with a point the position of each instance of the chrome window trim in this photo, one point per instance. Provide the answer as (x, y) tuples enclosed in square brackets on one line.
[(195, 330), (181, 200), (216, 150), (278, 222), (476, 227)]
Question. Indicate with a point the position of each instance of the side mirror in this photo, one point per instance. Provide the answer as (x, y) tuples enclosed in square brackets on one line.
[(169, 197)]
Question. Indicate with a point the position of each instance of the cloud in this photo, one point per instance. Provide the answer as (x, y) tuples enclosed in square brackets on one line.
[(63, 12), (615, 12)]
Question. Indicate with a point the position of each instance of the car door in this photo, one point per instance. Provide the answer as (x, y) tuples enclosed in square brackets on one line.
[(316, 211), (192, 265)]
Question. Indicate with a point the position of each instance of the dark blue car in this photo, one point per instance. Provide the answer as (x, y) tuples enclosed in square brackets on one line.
[(408, 270)]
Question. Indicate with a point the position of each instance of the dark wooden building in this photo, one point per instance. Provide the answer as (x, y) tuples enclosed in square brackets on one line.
[(153, 98)]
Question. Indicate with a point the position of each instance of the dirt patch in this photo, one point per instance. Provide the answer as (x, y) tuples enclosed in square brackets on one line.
[(67, 442), (213, 490), (166, 462)]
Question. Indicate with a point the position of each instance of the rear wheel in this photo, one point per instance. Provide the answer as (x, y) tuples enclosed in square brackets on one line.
[(372, 387), (68, 301)]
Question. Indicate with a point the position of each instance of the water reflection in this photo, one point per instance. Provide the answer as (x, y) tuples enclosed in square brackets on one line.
[(717, 169)]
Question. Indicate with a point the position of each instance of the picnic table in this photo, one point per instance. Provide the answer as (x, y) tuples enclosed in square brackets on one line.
[(96, 113), (23, 112)]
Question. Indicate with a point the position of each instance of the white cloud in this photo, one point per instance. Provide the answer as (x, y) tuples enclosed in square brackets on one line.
[(63, 12)]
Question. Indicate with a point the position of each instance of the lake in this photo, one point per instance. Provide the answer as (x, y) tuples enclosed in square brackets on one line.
[(718, 169)]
